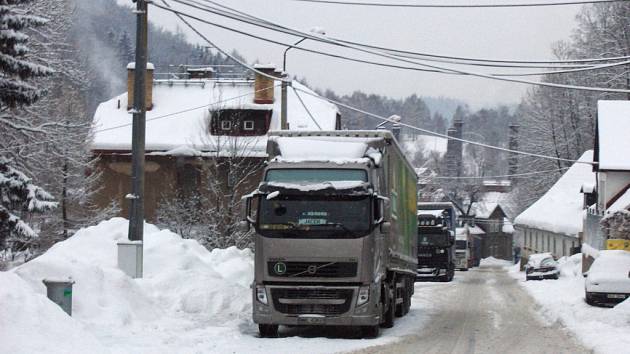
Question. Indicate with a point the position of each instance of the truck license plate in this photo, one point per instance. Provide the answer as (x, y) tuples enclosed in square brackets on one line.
[(616, 296), (311, 320)]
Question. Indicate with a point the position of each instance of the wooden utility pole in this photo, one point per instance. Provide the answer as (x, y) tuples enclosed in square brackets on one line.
[(136, 210)]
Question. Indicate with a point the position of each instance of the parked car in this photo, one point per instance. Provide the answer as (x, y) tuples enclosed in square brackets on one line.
[(608, 280), (541, 266)]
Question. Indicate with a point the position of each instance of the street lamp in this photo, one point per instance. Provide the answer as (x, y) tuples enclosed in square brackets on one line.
[(283, 108)]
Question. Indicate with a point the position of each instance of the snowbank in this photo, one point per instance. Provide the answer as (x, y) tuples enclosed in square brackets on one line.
[(30, 323), (182, 282), (602, 329)]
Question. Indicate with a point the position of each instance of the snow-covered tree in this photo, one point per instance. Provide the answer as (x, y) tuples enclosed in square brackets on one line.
[(19, 197)]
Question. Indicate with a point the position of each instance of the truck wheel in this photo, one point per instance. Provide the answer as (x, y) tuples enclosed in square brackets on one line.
[(370, 331), (391, 309), (268, 330)]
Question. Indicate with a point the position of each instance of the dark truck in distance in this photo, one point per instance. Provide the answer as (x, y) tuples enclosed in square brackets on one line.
[(436, 241), (335, 223)]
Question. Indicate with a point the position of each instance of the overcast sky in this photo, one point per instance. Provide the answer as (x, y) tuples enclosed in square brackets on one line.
[(503, 33)]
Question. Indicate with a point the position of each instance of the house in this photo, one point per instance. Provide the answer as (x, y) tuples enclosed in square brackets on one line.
[(554, 223), (496, 240), (198, 125), (610, 192)]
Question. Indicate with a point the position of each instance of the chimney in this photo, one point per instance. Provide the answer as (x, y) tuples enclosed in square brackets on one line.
[(131, 67), (513, 145), (200, 73), (451, 160), (263, 85)]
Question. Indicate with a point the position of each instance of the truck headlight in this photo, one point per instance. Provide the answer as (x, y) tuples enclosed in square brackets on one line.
[(364, 295), (261, 294)]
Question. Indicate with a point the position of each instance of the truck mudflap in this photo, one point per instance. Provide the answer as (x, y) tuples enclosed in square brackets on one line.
[(316, 305)]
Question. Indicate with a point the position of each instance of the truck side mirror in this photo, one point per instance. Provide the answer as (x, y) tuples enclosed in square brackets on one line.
[(246, 210), (380, 206)]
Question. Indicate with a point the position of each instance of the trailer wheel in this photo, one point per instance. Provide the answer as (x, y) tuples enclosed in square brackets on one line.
[(370, 331), (268, 330)]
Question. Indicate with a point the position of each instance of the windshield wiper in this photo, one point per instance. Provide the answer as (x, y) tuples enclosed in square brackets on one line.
[(338, 225)]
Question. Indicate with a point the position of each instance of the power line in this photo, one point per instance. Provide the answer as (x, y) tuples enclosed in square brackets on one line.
[(405, 5), (444, 135), (434, 68), (420, 54), (525, 174), (148, 120), (306, 108), (252, 20)]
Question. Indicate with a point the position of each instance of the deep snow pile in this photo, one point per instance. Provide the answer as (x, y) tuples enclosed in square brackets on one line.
[(189, 300), (182, 282), (494, 262), (602, 329)]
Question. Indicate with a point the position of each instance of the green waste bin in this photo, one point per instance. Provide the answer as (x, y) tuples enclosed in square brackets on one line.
[(59, 291)]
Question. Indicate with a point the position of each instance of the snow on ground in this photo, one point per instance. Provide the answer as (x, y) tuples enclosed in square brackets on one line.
[(190, 300), (602, 329), (491, 261)]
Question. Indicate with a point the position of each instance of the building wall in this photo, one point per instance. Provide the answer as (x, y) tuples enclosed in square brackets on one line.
[(165, 177), (540, 241)]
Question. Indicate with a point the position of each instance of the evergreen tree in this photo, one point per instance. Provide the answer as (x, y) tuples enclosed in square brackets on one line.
[(18, 195)]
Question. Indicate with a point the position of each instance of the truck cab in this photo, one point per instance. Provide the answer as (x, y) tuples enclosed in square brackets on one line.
[(436, 241)]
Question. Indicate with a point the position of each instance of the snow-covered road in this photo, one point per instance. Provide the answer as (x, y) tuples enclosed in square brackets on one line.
[(484, 311)]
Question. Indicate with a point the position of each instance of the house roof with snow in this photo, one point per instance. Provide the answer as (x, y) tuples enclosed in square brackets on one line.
[(178, 123), (485, 209), (560, 210), (612, 145)]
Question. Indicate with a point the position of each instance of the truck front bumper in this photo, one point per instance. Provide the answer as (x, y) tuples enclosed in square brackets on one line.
[(430, 272), (316, 305)]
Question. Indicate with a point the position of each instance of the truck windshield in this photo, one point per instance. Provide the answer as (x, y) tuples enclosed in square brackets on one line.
[(314, 217), (433, 239), (315, 175)]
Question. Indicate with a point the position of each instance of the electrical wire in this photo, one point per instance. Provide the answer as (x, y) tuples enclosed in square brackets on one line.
[(306, 108), (525, 174), (420, 54), (492, 147), (462, 6), (242, 17), (148, 120), (434, 67)]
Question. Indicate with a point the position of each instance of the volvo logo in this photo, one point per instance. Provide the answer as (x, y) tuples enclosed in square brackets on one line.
[(312, 269), (280, 268)]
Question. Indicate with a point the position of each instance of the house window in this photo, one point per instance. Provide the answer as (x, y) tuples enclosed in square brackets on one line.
[(240, 122), (226, 125)]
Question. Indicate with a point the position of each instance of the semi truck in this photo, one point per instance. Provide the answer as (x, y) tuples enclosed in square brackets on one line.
[(463, 245), (335, 231), (436, 241)]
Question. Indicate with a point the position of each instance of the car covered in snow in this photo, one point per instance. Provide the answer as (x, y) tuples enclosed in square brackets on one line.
[(608, 280), (541, 266)]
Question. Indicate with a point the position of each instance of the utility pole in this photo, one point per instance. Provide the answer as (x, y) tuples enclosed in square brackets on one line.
[(136, 209), (283, 103)]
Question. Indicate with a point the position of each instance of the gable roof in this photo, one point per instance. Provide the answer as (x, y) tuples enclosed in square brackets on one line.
[(560, 209), (484, 209), (181, 113), (612, 146)]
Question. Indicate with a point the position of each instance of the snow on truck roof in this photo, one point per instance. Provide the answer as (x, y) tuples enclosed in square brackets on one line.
[(181, 113), (560, 209), (613, 130)]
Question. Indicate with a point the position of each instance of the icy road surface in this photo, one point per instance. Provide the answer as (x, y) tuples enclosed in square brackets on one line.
[(483, 311)]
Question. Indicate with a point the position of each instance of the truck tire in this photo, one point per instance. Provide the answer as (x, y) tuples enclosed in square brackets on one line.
[(388, 317), (370, 331), (268, 330)]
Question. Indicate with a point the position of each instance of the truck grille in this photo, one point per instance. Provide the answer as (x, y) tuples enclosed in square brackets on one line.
[(313, 269), (312, 301)]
